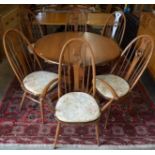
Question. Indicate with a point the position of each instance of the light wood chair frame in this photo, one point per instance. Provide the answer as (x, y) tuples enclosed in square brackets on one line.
[(18, 72), (110, 24), (28, 23), (92, 89), (134, 58), (76, 21)]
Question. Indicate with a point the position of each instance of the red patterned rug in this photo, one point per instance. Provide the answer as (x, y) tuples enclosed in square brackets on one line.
[(131, 123)]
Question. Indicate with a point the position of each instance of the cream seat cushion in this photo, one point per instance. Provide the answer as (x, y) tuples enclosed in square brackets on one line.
[(77, 107), (35, 82), (120, 86)]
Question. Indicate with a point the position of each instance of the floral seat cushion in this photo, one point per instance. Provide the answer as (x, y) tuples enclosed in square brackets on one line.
[(120, 86), (35, 82), (77, 107)]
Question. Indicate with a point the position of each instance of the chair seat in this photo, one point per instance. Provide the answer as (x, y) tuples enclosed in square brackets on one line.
[(35, 82), (120, 86), (77, 107)]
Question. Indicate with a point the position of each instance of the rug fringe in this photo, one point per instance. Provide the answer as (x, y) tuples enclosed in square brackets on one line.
[(74, 147)]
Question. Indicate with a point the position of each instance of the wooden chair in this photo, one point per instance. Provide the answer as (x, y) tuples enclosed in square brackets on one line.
[(77, 21), (126, 72), (115, 26), (24, 65), (76, 87), (30, 26)]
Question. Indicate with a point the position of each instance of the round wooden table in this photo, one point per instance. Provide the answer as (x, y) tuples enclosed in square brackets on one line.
[(49, 47)]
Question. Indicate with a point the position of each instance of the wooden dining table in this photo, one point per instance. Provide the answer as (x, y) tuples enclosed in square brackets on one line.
[(49, 46), (61, 18)]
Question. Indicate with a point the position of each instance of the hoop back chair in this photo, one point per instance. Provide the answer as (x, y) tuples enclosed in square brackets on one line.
[(15, 46), (30, 26), (115, 26), (77, 21), (78, 60), (76, 82), (26, 66), (134, 59), (127, 70)]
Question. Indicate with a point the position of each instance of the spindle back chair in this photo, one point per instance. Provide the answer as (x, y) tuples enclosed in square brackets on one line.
[(77, 21), (134, 59), (27, 68), (76, 73), (76, 67), (115, 26), (16, 50), (127, 70), (30, 26)]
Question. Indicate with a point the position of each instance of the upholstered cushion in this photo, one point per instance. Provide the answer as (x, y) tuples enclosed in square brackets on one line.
[(29, 48), (36, 81), (77, 107), (120, 86)]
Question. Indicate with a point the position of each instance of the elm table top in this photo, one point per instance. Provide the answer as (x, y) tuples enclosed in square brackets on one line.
[(55, 18), (49, 46)]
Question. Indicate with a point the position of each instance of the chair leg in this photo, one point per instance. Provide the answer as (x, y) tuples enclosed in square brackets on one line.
[(56, 135), (22, 100), (107, 117), (97, 133), (42, 111)]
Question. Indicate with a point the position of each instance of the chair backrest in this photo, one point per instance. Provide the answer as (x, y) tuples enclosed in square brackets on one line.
[(77, 21), (115, 26), (76, 67), (16, 48), (134, 59), (30, 26)]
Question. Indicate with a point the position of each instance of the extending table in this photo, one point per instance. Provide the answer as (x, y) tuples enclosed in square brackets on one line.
[(49, 46), (59, 18)]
